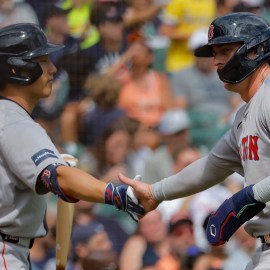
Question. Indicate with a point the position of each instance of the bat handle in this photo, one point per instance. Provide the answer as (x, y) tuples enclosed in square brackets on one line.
[(60, 267)]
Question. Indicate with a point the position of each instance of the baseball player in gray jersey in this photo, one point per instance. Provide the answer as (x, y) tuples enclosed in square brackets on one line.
[(30, 164), (240, 46)]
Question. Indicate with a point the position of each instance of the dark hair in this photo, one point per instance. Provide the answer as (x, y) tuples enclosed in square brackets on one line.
[(102, 12)]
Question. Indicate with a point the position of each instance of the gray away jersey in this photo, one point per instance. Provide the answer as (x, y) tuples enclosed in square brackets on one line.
[(244, 149), (25, 150)]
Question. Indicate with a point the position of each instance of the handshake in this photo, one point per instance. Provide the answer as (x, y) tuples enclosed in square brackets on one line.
[(119, 195), (123, 198)]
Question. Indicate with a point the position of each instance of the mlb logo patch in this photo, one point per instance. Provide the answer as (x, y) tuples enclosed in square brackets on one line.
[(42, 155)]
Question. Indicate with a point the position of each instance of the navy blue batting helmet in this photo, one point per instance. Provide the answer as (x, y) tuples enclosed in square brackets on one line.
[(19, 45), (247, 28)]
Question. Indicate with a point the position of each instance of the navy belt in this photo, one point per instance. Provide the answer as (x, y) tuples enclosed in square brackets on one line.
[(23, 241)]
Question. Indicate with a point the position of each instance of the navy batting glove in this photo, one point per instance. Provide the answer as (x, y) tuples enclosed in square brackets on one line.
[(123, 198), (232, 213)]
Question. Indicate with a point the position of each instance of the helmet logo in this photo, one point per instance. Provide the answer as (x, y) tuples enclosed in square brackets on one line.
[(213, 230), (211, 32)]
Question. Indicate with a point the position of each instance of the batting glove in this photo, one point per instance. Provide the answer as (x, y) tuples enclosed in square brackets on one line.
[(123, 198), (70, 160), (232, 213)]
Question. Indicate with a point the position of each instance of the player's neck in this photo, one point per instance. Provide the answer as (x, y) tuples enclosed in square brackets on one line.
[(19, 96), (260, 77), (257, 79)]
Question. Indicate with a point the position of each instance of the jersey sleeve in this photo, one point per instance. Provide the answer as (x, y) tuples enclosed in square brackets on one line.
[(202, 174), (265, 108), (27, 150), (225, 154)]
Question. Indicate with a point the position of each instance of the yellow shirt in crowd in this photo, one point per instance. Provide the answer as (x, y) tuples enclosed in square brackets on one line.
[(187, 16)]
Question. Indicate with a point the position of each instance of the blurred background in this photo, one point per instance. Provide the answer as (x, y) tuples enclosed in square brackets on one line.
[(130, 97)]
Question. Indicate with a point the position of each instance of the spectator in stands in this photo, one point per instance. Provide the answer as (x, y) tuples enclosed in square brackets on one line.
[(57, 30), (109, 22), (91, 244), (85, 217), (39, 7), (96, 58), (146, 94), (174, 128), (108, 156), (225, 6), (85, 213), (140, 150), (12, 12), (79, 12), (180, 19), (142, 19), (182, 239), (93, 60), (253, 6), (103, 91), (181, 157), (150, 247)]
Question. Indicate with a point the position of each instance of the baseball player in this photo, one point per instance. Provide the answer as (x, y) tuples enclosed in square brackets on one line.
[(240, 46), (30, 164)]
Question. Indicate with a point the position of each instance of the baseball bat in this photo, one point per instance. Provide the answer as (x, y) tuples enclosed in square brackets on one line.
[(64, 221), (65, 212)]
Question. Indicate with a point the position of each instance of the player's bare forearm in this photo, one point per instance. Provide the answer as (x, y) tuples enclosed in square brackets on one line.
[(80, 185)]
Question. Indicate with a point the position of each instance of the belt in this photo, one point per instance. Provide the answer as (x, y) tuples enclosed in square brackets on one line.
[(23, 241)]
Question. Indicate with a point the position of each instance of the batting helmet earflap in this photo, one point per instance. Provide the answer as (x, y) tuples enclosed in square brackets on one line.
[(19, 44), (247, 28)]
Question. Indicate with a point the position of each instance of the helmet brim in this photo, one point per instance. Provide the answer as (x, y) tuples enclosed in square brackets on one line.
[(206, 50), (46, 50)]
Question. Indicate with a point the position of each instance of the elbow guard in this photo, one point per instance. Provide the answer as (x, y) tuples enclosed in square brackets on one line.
[(47, 182)]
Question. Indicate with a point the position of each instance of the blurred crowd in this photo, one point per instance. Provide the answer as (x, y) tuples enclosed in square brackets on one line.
[(129, 96)]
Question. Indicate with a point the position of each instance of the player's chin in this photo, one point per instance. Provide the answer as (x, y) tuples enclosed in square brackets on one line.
[(47, 90), (229, 86)]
